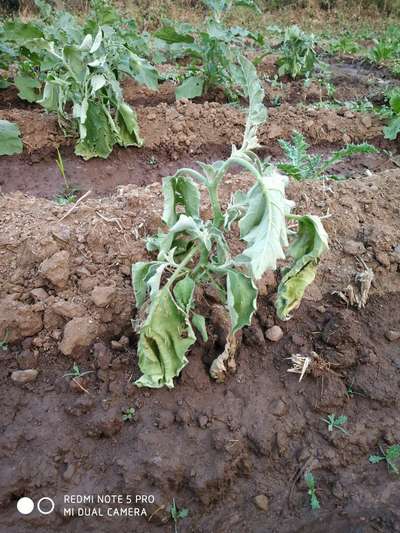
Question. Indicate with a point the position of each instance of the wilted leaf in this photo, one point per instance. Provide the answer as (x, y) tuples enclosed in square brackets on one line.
[(99, 138), (180, 190), (199, 322), (309, 244), (128, 134), (163, 343), (263, 226), (10, 143), (171, 36), (190, 88), (392, 129), (28, 88), (242, 297)]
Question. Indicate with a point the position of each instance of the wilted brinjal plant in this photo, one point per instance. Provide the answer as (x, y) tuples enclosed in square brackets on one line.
[(194, 252)]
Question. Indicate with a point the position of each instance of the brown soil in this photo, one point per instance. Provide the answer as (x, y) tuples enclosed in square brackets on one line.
[(175, 135), (66, 294)]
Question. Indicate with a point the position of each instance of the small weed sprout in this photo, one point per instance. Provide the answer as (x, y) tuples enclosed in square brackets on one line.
[(68, 196), (310, 482), (301, 165), (336, 423), (4, 343), (177, 514), (391, 456), (76, 372), (351, 392), (152, 161), (128, 414)]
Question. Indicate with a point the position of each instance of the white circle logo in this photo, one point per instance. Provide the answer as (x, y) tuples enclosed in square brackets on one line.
[(25, 505), (45, 511)]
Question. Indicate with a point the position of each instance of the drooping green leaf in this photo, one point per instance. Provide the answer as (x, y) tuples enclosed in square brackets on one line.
[(245, 75), (309, 244), (195, 228), (164, 340), (128, 132), (180, 190), (142, 273), (139, 69), (171, 36), (392, 129), (73, 57), (199, 322), (99, 137), (50, 96), (20, 32), (28, 87), (242, 297), (183, 293), (10, 142), (263, 226), (191, 88), (394, 102)]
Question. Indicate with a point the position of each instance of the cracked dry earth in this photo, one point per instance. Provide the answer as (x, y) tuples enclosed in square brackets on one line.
[(234, 454)]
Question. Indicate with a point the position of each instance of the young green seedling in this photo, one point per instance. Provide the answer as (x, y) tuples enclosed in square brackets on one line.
[(312, 490), (195, 252), (68, 195), (177, 514), (302, 165), (391, 456), (336, 423), (128, 414), (76, 372)]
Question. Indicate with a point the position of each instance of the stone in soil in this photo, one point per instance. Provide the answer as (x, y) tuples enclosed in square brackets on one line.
[(274, 334), (261, 502), (56, 269), (24, 376), (78, 333), (392, 335)]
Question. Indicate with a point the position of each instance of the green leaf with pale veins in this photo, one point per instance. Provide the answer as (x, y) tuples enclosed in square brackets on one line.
[(245, 75), (180, 190), (28, 87), (171, 36), (190, 88), (128, 127), (10, 142), (263, 226), (143, 279), (242, 297), (99, 138), (392, 129), (309, 244), (164, 340), (183, 293)]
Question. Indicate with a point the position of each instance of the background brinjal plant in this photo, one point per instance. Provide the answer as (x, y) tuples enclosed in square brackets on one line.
[(74, 69)]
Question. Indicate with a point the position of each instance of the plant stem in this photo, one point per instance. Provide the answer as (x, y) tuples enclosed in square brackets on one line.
[(181, 266), (216, 209)]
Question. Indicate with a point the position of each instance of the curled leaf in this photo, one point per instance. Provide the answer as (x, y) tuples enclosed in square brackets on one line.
[(164, 340), (310, 243)]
